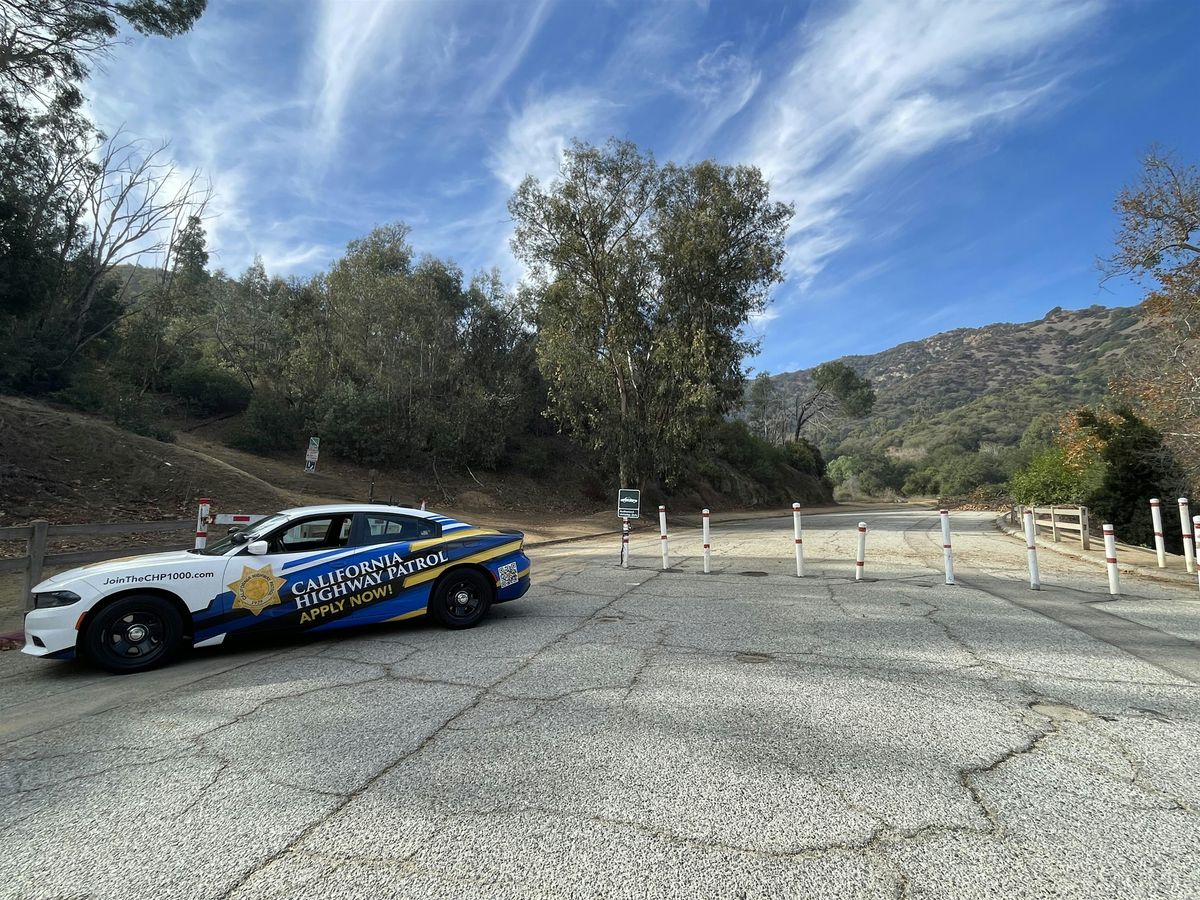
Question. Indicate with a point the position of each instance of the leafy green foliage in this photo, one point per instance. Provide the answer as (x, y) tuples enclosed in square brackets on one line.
[(272, 422), (1050, 479), (642, 278), (75, 205), (1111, 462), (836, 391), (208, 389), (53, 44), (873, 474)]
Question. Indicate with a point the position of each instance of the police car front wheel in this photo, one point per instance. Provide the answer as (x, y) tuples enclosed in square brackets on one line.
[(462, 598), (133, 633)]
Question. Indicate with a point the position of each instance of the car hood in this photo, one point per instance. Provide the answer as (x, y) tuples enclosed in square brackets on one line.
[(123, 564)]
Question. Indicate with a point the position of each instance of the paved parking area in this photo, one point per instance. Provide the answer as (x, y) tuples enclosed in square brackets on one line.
[(639, 733)]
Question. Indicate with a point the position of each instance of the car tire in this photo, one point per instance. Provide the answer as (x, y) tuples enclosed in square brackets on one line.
[(461, 598), (133, 634)]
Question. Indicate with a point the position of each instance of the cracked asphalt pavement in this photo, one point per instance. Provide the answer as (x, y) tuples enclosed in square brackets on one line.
[(640, 733)]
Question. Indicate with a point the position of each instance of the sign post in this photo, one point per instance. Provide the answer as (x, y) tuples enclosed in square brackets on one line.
[(629, 506), (310, 455)]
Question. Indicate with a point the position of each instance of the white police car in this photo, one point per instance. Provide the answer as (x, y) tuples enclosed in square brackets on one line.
[(313, 568)]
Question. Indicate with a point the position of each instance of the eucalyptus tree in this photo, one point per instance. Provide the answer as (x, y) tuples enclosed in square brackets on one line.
[(641, 280)]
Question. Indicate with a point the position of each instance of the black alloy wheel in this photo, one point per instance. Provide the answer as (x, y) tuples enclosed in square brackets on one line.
[(462, 598), (133, 634)]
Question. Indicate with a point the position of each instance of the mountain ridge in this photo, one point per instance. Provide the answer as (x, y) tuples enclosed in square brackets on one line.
[(978, 387)]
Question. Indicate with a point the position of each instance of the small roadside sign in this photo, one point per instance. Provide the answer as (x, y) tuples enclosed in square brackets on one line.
[(629, 503), (310, 455)]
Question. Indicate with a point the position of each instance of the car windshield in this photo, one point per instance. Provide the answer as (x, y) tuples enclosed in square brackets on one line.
[(244, 536)]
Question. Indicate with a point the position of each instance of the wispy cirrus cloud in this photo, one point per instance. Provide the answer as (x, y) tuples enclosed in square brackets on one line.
[(345, 52), (716, 87), (879, 83), (539, 132)]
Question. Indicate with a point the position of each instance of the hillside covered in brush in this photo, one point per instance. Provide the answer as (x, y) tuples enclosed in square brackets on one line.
[(964, 405)]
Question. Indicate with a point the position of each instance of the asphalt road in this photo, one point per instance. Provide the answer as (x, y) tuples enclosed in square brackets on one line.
[(640, 733)]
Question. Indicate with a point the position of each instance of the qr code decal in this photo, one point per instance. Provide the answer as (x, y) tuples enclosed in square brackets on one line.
[(508, 575)]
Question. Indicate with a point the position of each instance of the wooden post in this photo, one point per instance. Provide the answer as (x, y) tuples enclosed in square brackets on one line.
[(1054, 524), (1084, 537), (35, 549)]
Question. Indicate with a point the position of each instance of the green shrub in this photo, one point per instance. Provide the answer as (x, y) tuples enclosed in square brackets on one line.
[(804, 456), (271, 423), (89, 392), (1136, 466), (355, 424), (208, 389), (754, 457), (141, 415), (923, 482), (868, 473), (533, 460), (1048, 479), (1120, 462)]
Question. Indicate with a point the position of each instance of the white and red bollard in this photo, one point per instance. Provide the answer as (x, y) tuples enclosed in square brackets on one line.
[(202, 523), (1110, 558), (946, 554), (798, 540), (1196, 535), (624, 543), (1035, 580), (861, 561), (1189, 549), (662, 534), (707, 546), (1160, 546)]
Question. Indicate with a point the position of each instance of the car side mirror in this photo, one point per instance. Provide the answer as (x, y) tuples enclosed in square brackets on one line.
[(257, 548)]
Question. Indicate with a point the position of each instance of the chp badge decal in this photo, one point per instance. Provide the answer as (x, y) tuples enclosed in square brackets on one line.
[(256, 589)]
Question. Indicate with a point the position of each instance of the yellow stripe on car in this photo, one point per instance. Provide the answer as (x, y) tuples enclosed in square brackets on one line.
[(407, 615), (430, 574)]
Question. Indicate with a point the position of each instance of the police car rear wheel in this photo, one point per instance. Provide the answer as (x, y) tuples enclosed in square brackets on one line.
[(133, 634), (462, 599)]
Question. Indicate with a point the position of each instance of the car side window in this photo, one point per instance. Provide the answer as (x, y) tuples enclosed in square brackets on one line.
[(308, 535), (387, 528)]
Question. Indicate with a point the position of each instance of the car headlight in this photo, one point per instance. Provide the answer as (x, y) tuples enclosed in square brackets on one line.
[(54, 598)]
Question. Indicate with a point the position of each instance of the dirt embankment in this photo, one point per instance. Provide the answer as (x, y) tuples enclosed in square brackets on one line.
[(67, 467)]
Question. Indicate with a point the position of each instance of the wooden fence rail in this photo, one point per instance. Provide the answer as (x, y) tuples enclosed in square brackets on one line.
[(1058, 520), (37, 533)]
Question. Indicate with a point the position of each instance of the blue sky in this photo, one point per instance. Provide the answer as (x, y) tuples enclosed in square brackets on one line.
[(952, 162)]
